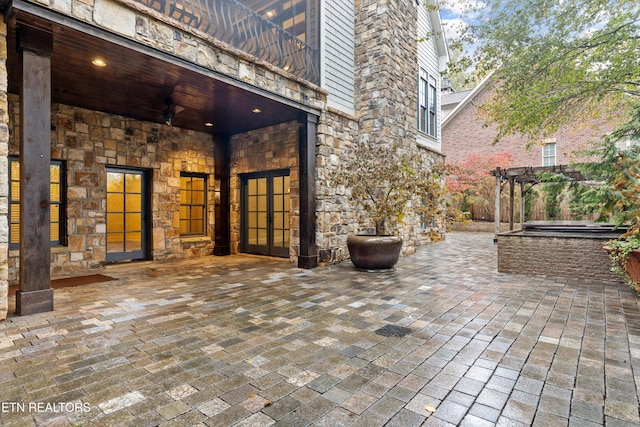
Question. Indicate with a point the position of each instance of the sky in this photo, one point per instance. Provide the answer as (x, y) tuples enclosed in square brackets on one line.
[(454, 13)]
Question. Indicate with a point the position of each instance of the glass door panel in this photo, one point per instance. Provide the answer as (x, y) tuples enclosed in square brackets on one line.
[(125, 215), (265, 213)]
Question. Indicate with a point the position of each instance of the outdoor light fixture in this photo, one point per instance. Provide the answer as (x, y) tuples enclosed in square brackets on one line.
[(170, 112), (256, 110), (208, 124), (99, 62)]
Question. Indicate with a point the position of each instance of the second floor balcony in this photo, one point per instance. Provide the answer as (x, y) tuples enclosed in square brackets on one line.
[(284, 33)]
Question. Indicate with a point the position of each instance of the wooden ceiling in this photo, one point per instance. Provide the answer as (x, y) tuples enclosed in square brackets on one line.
[(135, 84)]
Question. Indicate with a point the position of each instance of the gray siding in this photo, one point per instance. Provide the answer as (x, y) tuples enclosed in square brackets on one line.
[(428, 61), (338, 62)]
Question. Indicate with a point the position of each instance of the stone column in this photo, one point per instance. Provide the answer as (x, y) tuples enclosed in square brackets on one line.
[(35, 294), (4, 174), (386, 59)]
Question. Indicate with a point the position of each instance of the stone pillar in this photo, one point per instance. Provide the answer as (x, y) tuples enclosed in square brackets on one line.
[(386, 72), (222, 176), (308, 256), (4, 174), (386, 58), (35, 294)]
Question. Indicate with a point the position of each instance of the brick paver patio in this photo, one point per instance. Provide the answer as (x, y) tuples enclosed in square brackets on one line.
[(255, 342)]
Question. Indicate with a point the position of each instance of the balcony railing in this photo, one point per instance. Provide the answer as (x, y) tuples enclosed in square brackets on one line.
[(234, 23)]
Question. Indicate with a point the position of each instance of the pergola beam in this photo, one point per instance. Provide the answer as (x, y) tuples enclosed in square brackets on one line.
[(530, 174), (525, 175)]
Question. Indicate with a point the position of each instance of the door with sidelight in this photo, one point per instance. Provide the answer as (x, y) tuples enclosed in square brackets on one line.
[(265, 213)]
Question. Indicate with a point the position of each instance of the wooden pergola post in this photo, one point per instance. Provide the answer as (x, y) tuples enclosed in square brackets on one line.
[(523, 195), (35, 294), (512, 196), (497, 204)]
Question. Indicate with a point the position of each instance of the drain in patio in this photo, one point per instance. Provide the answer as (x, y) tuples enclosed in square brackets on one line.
[(393, 331)]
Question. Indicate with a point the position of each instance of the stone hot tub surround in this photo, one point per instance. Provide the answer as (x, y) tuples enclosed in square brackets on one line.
[(561, 250)]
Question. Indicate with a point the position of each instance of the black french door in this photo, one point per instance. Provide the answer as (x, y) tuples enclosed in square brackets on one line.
[(265, 212), (127, 205)]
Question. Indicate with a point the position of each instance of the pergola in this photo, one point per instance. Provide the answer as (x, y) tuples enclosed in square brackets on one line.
[(525, 175)]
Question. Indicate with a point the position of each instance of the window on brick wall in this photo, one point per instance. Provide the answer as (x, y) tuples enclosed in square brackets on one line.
[(193, 204), (549, 154), (427, 104), (57, 190)]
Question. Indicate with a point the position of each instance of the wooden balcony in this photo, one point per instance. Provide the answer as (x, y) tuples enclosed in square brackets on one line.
[(251, 29)]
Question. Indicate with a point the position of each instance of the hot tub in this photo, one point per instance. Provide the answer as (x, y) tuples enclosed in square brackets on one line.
[(562, 249)]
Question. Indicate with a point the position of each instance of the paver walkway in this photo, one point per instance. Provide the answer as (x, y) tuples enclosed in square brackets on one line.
[(254, 342)]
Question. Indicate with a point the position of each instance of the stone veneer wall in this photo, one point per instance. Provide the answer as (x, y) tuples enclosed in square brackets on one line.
[(89, 141), (386, 87), (266, 149), (386, 59), (579, 258), (4, 175), (335, 217)]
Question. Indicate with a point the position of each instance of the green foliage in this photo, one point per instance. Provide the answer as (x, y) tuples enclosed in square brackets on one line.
[(387, 184), (553, 199), (553, 186), (556, 62), (619, 252), (614, 193), (529, 203), (615, 179)]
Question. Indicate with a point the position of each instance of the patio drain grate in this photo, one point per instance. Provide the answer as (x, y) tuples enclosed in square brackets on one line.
[(393, 331)]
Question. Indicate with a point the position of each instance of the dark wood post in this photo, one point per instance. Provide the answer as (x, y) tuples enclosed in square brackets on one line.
[(222, 185), (35, 294), (512, 198), (496, 217), (308, 255), (523, 205)]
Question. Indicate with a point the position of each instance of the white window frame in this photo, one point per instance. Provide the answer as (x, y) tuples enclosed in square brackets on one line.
[(427, 104), (549, 157)]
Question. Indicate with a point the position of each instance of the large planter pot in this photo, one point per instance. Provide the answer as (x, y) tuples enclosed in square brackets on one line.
[(374, 253)]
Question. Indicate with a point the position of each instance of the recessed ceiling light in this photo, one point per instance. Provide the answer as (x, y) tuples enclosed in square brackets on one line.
[(99, 62), (208, 124), (269, 14), (256, 110)]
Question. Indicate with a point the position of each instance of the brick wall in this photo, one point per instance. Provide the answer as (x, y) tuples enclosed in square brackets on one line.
[(579, 258), (466, 134)]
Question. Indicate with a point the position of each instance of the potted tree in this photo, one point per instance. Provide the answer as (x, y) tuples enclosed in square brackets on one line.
[(385, 186), (616, 197)]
